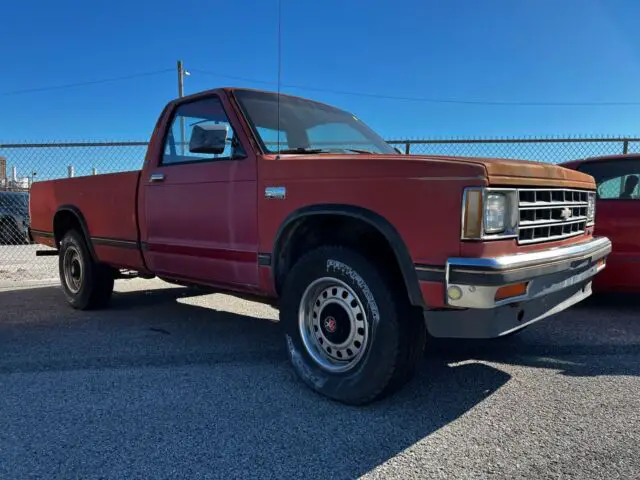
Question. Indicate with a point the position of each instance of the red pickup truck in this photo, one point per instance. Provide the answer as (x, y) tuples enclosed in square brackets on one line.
[(364, 250)]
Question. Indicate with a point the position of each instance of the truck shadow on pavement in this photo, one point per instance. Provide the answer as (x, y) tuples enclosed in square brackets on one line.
[(210, 390), (598, 337), (160, 380)]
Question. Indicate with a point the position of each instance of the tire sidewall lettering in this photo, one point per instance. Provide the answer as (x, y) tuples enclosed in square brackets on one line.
[(333, 266), (303, 368)]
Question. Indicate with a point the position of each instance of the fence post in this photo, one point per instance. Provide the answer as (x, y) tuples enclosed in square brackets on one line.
[(70, 171), (407, 148), (625, 147), (94, 171)]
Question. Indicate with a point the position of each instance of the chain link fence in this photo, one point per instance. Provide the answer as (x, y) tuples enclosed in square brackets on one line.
[(551, 150), (21, 164)]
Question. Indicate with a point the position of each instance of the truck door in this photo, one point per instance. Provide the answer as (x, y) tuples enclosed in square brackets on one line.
[(198, 211)]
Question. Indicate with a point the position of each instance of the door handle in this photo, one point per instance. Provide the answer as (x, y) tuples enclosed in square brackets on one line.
[(157, 177)]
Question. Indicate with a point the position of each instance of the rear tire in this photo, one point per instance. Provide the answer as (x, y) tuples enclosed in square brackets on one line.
[(86, 284), (350, 335)]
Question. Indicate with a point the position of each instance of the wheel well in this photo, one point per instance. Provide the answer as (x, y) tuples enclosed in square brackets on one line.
[(63, 221), (313, 231)]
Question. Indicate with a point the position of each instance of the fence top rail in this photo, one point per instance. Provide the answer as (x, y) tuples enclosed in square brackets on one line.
[(394, 141), (73, 144), (518, 140)]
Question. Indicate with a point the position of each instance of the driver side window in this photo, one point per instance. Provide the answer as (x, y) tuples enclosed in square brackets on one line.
[(204, 112)]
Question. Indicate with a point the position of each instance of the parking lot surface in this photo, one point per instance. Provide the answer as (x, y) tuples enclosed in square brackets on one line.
[(170, 382)]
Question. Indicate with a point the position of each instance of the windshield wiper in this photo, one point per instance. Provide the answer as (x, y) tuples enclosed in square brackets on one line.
[(325, 150), (354, 150), (358, 150), (303, 150)]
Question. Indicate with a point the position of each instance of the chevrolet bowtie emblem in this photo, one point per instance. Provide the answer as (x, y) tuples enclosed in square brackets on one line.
[(566, 213)]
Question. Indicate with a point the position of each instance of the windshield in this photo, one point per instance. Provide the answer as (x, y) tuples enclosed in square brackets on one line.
[(306, 126)]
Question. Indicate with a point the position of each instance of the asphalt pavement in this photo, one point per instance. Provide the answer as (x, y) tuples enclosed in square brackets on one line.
[(173, 383)]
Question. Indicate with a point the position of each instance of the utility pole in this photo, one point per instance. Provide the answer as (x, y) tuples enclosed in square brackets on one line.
[(180, 79), (180, 95)]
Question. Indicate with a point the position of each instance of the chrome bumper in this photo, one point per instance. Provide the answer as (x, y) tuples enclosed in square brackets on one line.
[(474, 282), (500, 321)]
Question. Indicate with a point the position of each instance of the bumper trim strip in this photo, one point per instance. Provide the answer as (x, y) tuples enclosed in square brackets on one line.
[(430, 273), (597, 246)]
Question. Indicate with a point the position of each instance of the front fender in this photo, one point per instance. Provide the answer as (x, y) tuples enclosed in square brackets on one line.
[(388, 231)]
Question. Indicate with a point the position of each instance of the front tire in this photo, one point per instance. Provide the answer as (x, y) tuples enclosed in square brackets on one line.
[(86, 284), (351, 336)]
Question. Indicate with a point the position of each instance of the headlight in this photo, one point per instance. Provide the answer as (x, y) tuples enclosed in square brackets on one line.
[(495, 212), (489, 213), (591, 208)]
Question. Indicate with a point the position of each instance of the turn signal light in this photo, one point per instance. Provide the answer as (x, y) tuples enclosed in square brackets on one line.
[(472, 221), (513, 290)]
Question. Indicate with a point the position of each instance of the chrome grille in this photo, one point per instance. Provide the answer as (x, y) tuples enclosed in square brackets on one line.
[(551, 214)]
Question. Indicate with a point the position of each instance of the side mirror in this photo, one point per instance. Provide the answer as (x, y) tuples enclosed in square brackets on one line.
[(398, 150), (208, 138)]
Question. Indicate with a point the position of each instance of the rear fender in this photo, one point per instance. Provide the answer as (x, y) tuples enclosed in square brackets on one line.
[(75, 211)]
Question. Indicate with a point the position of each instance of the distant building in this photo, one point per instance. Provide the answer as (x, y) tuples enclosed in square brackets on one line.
[(17, 184)]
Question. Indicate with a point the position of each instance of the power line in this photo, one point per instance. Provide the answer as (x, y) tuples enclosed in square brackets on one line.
[(418, 99), (90, 82), (327, 90)]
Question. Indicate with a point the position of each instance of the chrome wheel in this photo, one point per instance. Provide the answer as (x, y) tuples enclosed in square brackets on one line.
[(333, 324), (73, 270)]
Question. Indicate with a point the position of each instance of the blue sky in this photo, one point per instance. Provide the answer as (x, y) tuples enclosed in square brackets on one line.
[(490, 50)]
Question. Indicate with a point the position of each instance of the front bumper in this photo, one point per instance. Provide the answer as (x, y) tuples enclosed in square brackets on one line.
[(500, 321), (544, 272), (551, 280)]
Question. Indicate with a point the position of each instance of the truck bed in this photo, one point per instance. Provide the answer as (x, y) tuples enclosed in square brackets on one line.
[(108, 204)]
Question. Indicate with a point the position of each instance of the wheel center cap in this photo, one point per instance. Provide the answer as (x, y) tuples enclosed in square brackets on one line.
[(335, 324), (330, 324)]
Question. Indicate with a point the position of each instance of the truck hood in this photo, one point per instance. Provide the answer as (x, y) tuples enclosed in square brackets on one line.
[(497, 171), (507, 171)]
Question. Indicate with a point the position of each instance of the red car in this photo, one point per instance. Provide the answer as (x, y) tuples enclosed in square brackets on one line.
[(618, 214)]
